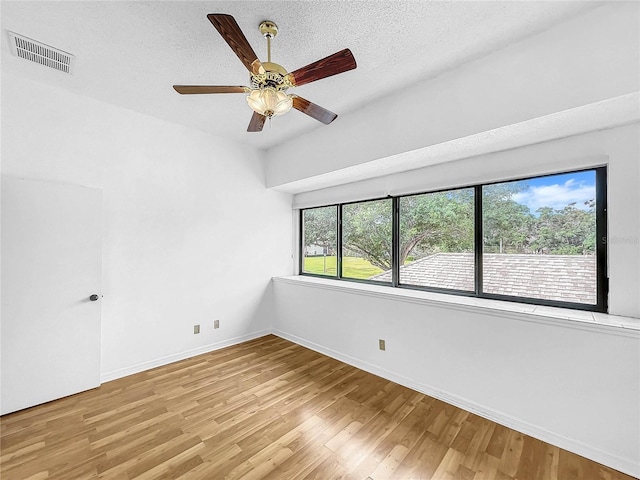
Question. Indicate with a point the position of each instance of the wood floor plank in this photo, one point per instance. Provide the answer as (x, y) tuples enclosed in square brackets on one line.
[(550, 463), (498, 441), (299, 466), (212, 461), (512, 453), (390, 463), (270, 409), (486, 467)]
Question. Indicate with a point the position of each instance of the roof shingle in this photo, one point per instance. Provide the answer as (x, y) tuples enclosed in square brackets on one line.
[(567, 278)]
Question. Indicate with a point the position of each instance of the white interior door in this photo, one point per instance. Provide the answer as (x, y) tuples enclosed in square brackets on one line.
[(51, 265)]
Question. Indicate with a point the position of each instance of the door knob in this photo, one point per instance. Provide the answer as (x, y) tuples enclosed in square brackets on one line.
[(93, 297)]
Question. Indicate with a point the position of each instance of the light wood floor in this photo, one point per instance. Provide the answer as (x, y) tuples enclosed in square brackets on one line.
[(274, 410)]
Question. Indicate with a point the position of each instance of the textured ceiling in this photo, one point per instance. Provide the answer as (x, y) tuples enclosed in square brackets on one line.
[(131, 53)]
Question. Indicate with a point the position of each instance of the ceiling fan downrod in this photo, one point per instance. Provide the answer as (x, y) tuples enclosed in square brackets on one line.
[(269, 30)]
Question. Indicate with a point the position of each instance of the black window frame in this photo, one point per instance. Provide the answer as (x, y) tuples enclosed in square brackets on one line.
[(450, 291), (394, 239), (602, 281), (301, 255)]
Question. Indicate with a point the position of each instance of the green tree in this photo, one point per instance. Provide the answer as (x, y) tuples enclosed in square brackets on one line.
[(569, 231), (506, 224), (429, 223), (366, 231), (436, 222), (444, 222), (320, 227)]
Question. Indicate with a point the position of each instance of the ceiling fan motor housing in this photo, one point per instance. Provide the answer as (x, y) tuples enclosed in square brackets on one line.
[(275, 76)]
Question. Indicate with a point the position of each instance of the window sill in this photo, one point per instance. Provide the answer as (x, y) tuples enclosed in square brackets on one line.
[(542, 314)]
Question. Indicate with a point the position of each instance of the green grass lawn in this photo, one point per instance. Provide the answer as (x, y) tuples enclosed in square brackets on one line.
[(352, 267)]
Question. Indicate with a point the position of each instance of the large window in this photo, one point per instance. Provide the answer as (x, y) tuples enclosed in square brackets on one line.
[(538, 240)]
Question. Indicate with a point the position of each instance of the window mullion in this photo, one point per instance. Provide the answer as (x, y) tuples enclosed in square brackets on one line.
[(301, 248), (478, 238), (339, 242), (395, 242), (602, 284)]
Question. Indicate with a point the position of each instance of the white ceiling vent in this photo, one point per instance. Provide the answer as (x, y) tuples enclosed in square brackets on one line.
[(34, 51)]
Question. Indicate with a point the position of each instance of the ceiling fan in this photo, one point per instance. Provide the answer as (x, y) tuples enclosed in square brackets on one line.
[(269, 81)]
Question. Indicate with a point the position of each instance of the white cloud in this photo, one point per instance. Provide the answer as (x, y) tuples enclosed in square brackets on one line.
[(557, 196)]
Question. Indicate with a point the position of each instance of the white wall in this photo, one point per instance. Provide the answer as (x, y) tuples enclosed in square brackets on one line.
[(576, 388), (618, 149), (591, 58), (190, 232)]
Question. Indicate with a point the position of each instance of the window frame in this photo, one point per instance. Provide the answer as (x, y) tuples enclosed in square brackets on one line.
[(393, 241), (451, 291), (602, 281), (301, 248)]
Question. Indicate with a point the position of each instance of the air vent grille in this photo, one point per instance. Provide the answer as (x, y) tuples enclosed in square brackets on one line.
[(37, 52)]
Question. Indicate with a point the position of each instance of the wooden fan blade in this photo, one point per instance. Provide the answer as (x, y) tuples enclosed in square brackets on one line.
[(326, 67), (256, 123), (315, 111), (230, 31), (196, 89)]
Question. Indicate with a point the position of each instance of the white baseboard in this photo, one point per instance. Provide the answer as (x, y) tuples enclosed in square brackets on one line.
[(579, 448), (141, 367)]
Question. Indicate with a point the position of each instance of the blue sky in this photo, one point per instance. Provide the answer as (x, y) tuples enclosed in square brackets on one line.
[(558, 191)]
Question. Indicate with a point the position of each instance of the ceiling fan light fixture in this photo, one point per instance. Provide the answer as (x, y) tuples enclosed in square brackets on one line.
[(269, 102)]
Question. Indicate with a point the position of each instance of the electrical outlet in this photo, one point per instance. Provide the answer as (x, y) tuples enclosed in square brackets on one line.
[(216, 324), (196, 329), (382, 345)]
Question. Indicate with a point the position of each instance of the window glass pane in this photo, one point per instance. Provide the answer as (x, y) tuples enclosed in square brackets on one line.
[(540, 238), (319, 234), (436, 240), (366, 240)]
